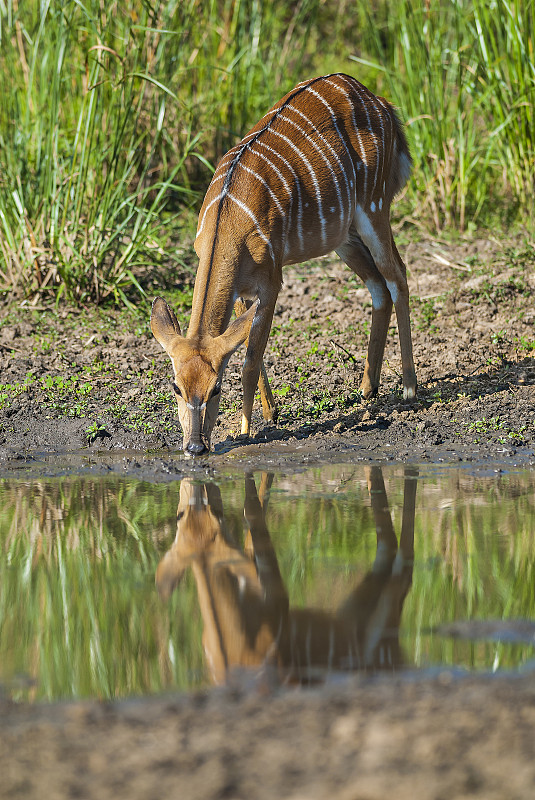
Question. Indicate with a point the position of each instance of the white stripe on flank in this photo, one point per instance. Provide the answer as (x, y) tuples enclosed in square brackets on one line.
[(250, 214), (329, 146), (206, 210), (223, 164), (312, 175), (278, 173), (333, 120), (233, 153), (356, 127), (365, 107), (324, 157), (379, 159), (388, 114), (297, 186), (262, 181), (217, 178), (356, 89)]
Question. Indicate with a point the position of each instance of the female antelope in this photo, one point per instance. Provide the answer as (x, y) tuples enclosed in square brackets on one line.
[(317, 173)]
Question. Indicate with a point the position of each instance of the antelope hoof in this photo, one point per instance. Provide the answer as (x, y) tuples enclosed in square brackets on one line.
[(409, 393), (271, 415), (368, 392)]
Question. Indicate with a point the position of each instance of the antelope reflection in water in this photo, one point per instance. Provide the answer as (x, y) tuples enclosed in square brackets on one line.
[(248, 621)]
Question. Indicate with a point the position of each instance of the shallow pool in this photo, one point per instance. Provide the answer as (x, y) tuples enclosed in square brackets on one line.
[(113, 588)]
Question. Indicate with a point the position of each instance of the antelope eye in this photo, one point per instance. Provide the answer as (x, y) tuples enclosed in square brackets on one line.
[(216, 390), (176, 390)]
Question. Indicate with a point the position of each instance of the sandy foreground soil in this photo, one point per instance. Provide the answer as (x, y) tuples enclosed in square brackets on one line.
[(371, 739), (93, 389)]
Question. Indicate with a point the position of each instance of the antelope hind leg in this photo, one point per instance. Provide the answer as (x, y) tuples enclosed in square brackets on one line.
[(358, 258)]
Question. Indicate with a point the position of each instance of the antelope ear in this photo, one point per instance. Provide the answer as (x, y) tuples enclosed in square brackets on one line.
[(237, 332), (163, 323)]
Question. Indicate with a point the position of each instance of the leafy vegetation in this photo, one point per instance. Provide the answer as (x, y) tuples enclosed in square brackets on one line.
[(112, 117)]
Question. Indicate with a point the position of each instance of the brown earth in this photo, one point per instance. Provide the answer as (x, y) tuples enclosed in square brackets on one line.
[(474, 346), (370, 740), (410, 736)]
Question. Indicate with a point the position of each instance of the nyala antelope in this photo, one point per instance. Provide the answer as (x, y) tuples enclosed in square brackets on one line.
[(247, 617), (317, 173)]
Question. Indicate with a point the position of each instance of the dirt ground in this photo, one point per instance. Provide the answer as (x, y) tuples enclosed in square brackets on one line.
[(93, 389), (372, 739), (99, 381)]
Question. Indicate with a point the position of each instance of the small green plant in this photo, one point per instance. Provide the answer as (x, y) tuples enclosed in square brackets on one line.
[(95, 431), (523, 343), (494, 425), (426, 313)]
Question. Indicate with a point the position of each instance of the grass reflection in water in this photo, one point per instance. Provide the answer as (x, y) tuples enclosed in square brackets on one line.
[(80, 614)]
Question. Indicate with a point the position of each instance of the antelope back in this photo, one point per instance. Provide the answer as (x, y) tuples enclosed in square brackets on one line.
[(289, 190)]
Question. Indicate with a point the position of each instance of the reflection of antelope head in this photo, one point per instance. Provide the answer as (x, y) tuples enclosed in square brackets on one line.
[(240, 615), (244, 603)]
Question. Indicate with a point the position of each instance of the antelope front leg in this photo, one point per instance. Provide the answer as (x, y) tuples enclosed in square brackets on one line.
[(269, 409), (252, 366)]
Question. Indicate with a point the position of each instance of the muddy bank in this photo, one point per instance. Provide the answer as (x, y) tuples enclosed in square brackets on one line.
[(98, 381), (429, 738)]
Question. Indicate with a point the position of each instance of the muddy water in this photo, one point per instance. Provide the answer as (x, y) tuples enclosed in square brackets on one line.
[(115, 587)]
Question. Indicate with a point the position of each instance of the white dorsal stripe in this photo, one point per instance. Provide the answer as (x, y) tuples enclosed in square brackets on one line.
[(308, 165), (259, 230)]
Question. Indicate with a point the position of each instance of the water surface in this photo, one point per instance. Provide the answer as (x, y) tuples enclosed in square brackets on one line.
[(113, 587)]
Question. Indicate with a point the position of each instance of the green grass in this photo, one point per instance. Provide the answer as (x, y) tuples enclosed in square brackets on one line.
[(112, 117), (463, 75)]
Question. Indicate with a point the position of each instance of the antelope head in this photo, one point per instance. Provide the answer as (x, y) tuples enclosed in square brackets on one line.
[(198, 365)]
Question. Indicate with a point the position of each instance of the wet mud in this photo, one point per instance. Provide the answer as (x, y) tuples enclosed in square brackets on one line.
[(100, 383)]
